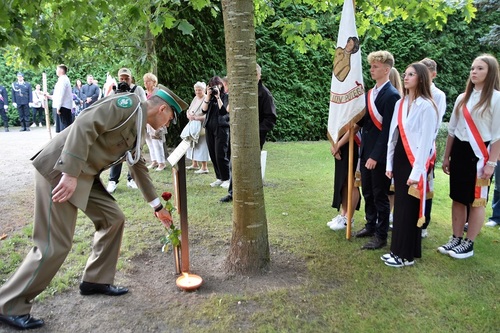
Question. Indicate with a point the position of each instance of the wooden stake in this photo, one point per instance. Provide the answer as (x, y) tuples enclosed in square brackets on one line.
[(46, 103)]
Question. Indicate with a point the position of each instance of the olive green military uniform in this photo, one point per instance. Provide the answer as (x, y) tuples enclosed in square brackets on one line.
[(99, 137)]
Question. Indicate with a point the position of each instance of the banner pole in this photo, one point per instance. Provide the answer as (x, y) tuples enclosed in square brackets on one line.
[(350, 181)]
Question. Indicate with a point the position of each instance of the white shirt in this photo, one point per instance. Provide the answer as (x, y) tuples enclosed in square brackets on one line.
[(63, 96), (487, 123), (377, 90), (440, 99), (420, 125)]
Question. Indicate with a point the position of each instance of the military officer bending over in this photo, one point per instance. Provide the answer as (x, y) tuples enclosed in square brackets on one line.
[(67, 174)]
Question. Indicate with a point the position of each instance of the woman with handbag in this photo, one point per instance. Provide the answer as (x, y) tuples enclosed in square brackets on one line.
[(198, 151)]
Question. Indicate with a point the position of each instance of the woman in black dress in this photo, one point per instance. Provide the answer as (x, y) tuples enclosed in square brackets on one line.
[(411, 136)]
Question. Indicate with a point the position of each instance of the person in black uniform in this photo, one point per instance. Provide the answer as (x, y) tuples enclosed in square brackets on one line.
[(21, 98)]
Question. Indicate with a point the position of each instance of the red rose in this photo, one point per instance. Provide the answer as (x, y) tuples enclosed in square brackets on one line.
[(166, 196)]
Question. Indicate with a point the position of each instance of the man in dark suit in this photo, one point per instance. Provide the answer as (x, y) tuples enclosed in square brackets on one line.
[(21, 99), (67, 178), (90, 92), (380, 103)]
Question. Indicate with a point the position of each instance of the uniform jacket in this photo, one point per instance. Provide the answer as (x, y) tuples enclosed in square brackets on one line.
[(4, 98), (98, 139), (21, 93), (373, 140)]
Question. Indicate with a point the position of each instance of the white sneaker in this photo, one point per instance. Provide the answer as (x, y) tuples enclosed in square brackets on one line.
[(424, 233), (333, 221), (40, 125), (111, 186), (491, 223), (216, 183), (391, 218), (341, 223), (33, 125), (225, 184), (131, 183)]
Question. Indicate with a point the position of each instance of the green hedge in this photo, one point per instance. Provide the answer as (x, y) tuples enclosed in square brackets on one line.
[(300, 83)]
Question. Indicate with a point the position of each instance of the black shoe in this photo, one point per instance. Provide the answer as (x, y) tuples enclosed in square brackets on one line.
[(23, 130), (375, 243), (24, 322), (363, 233), (87, 288), (227, 198)]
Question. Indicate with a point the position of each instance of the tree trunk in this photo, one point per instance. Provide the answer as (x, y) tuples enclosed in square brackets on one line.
[(249, 251), (151, 58)]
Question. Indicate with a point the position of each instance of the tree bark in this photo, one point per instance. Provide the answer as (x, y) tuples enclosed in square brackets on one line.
[(249, 250)]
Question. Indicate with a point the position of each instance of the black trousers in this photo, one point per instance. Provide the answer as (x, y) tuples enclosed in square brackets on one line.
[(24, 115), (39, 116), (375, 185), (57, 120), (218, 148), (66, 118), (5, 117), (115, 172)]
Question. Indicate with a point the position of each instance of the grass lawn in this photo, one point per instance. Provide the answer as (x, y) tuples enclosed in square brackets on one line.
[(346, 290)]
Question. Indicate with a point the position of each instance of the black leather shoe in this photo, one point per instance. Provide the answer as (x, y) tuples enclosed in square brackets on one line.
[(87, 288), (375, 243), (363, 233), (24, 322), (227, 198)]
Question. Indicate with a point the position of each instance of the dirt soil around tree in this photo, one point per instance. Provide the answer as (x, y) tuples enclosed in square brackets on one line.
[(154, 303)]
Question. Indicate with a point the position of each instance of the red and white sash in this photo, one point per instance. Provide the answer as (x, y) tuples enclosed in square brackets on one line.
[(373, 111), (482, 153), (420, 190)]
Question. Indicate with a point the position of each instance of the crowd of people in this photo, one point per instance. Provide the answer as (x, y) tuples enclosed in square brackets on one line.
[(105, 134), (397, 150)]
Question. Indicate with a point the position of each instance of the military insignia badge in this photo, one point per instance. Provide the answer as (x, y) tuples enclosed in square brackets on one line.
[(124, 102)]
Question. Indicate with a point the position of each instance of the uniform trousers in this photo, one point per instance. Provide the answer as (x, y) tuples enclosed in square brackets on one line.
[(53, 232), (5, 117), (375, 185), (24, 115)]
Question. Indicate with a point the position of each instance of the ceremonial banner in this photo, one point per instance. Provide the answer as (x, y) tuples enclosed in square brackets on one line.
[(347, 93)]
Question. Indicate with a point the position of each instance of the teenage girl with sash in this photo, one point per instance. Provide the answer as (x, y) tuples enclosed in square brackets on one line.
[(409, 146), (471, 153)]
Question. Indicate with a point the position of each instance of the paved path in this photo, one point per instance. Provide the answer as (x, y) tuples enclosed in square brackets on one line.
[(16, 174)]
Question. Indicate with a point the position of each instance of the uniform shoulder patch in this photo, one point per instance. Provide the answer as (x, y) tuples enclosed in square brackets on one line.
[(124, 102)]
